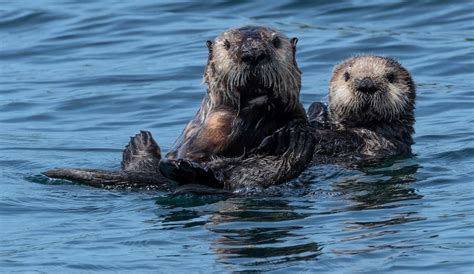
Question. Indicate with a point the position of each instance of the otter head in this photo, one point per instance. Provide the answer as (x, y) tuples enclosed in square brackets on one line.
[(253, 61), (368, 89)]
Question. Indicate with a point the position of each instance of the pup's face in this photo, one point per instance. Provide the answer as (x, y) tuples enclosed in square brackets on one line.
[(371, 88)]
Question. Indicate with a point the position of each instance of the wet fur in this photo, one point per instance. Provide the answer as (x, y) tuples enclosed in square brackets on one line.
[(244, 103), (358, 128), (280, 157)]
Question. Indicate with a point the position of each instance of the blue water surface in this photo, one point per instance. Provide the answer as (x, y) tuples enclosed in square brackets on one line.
[(77, 78)]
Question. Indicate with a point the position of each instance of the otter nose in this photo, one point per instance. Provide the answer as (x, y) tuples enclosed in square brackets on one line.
[(365, 85), (253, 57)]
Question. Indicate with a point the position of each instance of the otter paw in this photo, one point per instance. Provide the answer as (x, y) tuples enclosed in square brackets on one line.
[(318, 114), (280, 141), (188, 172), (301, 144), (141, 154), (270, 143)]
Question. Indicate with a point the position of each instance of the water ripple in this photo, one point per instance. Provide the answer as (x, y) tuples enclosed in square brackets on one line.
[(79, 77)]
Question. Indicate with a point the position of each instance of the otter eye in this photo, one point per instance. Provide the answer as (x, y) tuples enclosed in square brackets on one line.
[(276, 42), (227, 44), (346, 76), (391, 77)]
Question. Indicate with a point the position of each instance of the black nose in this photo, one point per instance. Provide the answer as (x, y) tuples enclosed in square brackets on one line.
[(365, 85), (253, 57)]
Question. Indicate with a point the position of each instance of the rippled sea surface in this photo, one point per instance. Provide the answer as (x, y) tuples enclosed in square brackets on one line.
[(77, 78)]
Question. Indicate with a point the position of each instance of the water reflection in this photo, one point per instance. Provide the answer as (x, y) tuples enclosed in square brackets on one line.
[(252, 232), (246, 231), (383, 203), (380, 187), (266, 231)]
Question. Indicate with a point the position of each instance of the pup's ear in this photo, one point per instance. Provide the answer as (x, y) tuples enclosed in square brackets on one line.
[(209, 45)]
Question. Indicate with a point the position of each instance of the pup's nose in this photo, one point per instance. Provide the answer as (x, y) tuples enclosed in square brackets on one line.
[(365, 85)]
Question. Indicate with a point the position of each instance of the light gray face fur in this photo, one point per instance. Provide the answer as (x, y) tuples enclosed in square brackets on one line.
[(368, 88), (253, 60)]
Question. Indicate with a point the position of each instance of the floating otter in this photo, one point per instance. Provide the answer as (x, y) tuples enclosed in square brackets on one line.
[(280, 157), (370, 115), (253, 90), (370, 118)]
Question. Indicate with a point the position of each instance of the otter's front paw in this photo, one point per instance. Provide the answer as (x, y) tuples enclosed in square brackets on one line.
[(284, 139), (301, 144), (188, 172), (318, 114), (259, 102), (274, 144)]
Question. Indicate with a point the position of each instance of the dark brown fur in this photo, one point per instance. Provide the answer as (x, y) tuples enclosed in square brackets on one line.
[(370, 118), (253, 89)]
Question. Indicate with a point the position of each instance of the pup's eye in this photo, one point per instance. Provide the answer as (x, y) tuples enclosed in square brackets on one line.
[(227, 44), (276, 42), (391, 77), (346, 76)]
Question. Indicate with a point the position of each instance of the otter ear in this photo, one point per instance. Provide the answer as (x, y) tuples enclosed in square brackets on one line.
[(209, 47), (294, 41), (209, 67), (209, 44)]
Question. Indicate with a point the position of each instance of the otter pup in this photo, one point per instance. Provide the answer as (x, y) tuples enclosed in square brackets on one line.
[(370, 115), (253, 90)]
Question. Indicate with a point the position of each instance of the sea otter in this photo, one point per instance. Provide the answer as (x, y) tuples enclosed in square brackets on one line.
[(370, 114), (370, 118), (253, 90)]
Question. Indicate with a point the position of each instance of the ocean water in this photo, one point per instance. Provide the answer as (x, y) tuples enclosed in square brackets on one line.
[(77, 78)]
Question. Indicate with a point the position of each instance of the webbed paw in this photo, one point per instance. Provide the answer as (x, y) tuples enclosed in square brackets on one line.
[(142, 153)]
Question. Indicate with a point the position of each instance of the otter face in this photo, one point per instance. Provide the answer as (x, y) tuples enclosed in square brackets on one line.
[(253, 60), (369, 88)]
